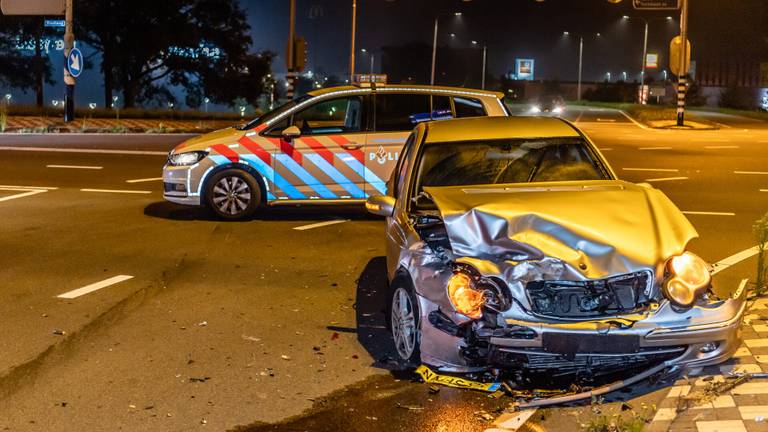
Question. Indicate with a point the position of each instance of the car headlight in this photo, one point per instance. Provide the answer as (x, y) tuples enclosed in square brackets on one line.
[(535, 109), (689, 277), (464, 295), (186, 158), (558, 110)]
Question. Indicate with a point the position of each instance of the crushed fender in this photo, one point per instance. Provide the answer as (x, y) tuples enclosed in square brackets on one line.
[(430, 377)]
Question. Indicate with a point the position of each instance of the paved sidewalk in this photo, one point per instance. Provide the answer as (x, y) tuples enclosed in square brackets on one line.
[(742, 409)]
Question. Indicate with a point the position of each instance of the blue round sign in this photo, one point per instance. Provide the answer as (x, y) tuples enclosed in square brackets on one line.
[(75, 62)]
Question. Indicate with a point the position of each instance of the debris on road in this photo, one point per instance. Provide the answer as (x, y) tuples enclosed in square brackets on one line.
[(285, 357), (335, 336), (410, 407), (202, 324), (59, 332), (251, 338), (431, 377), (711, 391), (200, 379)]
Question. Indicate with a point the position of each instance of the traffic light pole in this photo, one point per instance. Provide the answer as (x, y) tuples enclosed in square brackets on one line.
[(290, 77), (69, 80), (681, 77), (352, 51)]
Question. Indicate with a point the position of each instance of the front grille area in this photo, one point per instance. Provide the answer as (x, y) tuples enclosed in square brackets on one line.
[(592, 298), (174, 187)]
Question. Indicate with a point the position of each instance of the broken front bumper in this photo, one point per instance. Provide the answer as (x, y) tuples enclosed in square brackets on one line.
[(700, 336)]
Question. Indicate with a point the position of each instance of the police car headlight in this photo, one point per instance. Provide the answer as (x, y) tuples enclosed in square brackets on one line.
[(688, 279), (186, 158)]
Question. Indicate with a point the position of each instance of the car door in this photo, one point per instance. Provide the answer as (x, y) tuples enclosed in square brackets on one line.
[(326, 161), (395, 116)]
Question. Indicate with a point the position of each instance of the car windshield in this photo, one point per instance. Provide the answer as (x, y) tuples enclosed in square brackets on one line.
[(269, 115), (507, 161)]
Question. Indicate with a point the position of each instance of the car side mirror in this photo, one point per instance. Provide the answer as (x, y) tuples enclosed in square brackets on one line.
[(290, 133), (382, 205)]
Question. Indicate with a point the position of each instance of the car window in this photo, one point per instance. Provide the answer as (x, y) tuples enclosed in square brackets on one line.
[(333, 116), (441, 108), (401, 171), (507, 161), (466, 107), (401, 112)]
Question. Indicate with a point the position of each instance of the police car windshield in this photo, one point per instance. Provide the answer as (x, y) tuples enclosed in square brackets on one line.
[(269, 115)]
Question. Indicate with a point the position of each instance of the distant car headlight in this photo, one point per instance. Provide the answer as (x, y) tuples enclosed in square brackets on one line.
[(464, 295), (535, 109), (186, 158), (689, 277), (558, 110)]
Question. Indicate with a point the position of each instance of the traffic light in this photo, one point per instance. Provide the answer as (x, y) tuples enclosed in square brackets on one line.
[(299, 54)]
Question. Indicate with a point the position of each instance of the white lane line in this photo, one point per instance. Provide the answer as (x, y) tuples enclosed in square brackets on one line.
[(663, 179), (75, 167), (28, 187), (607, 148), (148, 179), (718, 147), (761, 190), (735, 258), (652, 169), (25, 193), (608, 120), (94, 287), (654, 148), (751, 172), (116, 191), (708, 213), (637, 123), (320, 224), (94, 151)]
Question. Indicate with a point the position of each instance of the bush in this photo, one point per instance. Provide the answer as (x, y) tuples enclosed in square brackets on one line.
[(760, 230), (130, 113), (738, 98), (3, 117)]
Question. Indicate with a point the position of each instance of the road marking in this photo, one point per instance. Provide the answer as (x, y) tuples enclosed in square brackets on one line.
[(116, 191), (94, 287), (761, 190), (652, 169), (637, 123), (75, 167), (511, 421), (654, 148), (608, 120), (28, 187), (94, 151), (320, 224), (751, 172), (736, 258), (144, 180), (24, 193), (721, 147), (606, 148), (666, 179), (708, 213)]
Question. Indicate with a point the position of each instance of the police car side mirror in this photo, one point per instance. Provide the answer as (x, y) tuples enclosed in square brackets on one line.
[(290, 133), (381, 205)]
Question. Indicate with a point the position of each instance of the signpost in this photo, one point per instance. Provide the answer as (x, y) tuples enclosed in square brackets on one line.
[(55, 23), (656, 4), (75, 62)]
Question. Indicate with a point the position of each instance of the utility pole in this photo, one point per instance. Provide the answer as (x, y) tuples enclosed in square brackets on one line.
[(681, 78), (434, 54), (485, 51), (291, 56), (352, 50), (69, 80), (581, 64), (645, 59)]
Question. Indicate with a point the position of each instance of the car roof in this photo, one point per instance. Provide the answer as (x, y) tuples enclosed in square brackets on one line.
[(492, 128), (457, 91)]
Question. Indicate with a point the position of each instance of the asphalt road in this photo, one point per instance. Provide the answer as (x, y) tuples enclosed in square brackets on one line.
[(227, 325)]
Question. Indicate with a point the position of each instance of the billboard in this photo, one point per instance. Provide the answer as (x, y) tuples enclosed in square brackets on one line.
[(652, 61), (524, 69), (656, 4)]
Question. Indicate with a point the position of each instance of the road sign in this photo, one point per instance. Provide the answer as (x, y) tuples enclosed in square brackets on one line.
[(75, 63), (32, 7), (652, 61), (656, 4), (674, 56), (55, 23)]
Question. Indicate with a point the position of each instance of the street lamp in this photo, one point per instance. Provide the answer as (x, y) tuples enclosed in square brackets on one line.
[(434, 46), (581, 61), (370, 54), (624, 76), (608, 76), (8, 98), (205, 101), (645, 51)]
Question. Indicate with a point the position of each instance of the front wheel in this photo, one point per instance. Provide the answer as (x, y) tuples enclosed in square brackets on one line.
[(233, 194), (404, 323)]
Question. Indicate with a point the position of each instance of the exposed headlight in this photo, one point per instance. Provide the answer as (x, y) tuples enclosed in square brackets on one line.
[(535, 109), (688, 278), (558, 110), (186, 158), (464, 295)]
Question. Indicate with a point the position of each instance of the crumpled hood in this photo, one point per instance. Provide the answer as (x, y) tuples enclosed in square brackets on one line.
[(601, 228), (228, 135)]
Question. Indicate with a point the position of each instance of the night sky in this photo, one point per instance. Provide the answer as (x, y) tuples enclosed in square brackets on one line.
[(720, 29)]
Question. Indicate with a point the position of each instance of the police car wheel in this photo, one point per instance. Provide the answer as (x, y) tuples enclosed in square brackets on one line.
[(233, 194), (403, 320)]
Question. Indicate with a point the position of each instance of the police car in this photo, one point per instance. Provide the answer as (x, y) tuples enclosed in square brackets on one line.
[(333, 145)]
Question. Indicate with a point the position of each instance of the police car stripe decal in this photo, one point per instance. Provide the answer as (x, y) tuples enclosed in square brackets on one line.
[(305, 176), (319, 148), (336, 176), (287, 148), (270, 174), (256, 149), (340, 140), (226, 152)]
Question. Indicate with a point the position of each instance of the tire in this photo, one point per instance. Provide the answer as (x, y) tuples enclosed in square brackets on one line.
[(404, 319), (233, 194)]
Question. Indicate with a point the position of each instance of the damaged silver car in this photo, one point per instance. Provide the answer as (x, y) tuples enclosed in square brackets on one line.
[(512, 245)]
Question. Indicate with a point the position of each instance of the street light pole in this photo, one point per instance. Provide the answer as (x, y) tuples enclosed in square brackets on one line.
[(434, 54), (645, 59), (352, 51), (291, 75), (581, 57), (69, 80), (485, 53)]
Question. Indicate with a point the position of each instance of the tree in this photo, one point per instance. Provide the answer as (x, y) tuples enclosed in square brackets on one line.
[(147, 46), (17, 69)]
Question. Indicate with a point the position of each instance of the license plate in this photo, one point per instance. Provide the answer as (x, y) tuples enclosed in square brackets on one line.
[(570, 343)]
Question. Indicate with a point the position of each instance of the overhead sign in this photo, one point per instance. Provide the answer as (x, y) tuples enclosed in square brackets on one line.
[(55, 23), (524, 69), (367, 79), (32, 7), (652, 61), (656, 4), (675, 48), (75, 63)]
